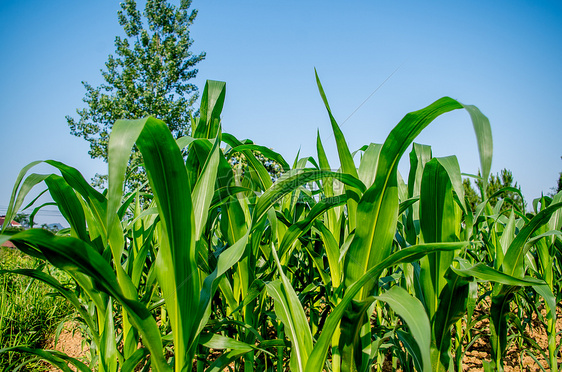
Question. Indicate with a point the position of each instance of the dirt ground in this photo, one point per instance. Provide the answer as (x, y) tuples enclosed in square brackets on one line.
[(517, 359), (70, 343)]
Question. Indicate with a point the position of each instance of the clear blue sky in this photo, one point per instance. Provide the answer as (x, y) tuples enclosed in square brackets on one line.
[(503, 56)]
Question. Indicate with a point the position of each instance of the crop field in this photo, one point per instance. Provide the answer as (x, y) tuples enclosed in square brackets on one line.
[(219, 263)]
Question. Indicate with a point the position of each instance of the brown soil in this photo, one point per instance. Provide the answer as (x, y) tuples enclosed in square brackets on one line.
[(70, 343), (517, 359)]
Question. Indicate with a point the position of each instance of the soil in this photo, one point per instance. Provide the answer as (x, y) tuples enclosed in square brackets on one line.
[(517, 358), (70, 343)]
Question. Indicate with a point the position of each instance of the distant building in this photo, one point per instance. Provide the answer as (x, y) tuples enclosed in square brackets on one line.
[(11, 224)]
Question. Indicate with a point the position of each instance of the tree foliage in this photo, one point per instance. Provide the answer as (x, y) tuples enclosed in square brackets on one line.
[(148, 75), (23, 219), (495, 183)]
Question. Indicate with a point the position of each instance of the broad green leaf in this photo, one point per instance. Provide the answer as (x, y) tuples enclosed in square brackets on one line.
[(319, 353), (555, 222), (332, 252), (215, 341), (483, 132), (378, 208), (257, 170), (185, 141), (513, 263), (451, 166), (301, 227), (411, 310), (68, 204), (289, 309), (286, 185), (96, 201), (368, 164), (506, 239), (212, 102), (15, 199), (346, 159), (485, 273), (294, 320), (72, 177), (439, 222), (224, 262), (225, 360), (452, 306), (56, 358), (327, 186), (176, 263), (108, 347), (123, 136), (131, 362), (204, 189), (419, 156), (550, 300), (81, 260)]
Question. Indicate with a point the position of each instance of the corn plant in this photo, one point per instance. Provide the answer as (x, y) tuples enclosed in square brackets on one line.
[(212, 265)]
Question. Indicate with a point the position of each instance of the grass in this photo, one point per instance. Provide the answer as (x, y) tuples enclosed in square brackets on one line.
[(29, 314)]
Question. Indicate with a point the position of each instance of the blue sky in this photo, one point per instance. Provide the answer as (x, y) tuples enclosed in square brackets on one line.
[(502, 56)]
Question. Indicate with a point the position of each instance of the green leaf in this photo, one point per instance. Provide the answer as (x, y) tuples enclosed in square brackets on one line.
[(215, 341), (204, 189), (81, 260), (108, 347), (439, 222), (378, 207), (483, 132), (225, 261), (176, 263), (301, 227), (68, 204), (286, 185), (368, 164), (485, 273), (452, 306), (290, 311), (257, 170), (18, 194), (319, 353), (333, 254), (346, 159), (212, 103), (131, 362), (411, 310), (513, 263), (56, 358), (123, 136)]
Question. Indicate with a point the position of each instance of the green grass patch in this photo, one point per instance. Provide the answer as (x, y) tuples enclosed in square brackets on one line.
[(29, 311)]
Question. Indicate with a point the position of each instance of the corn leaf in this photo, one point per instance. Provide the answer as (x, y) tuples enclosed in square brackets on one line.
[(411, 310)]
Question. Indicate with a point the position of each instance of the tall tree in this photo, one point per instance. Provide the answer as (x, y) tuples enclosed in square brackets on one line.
[(148, 75), (495, 183)]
